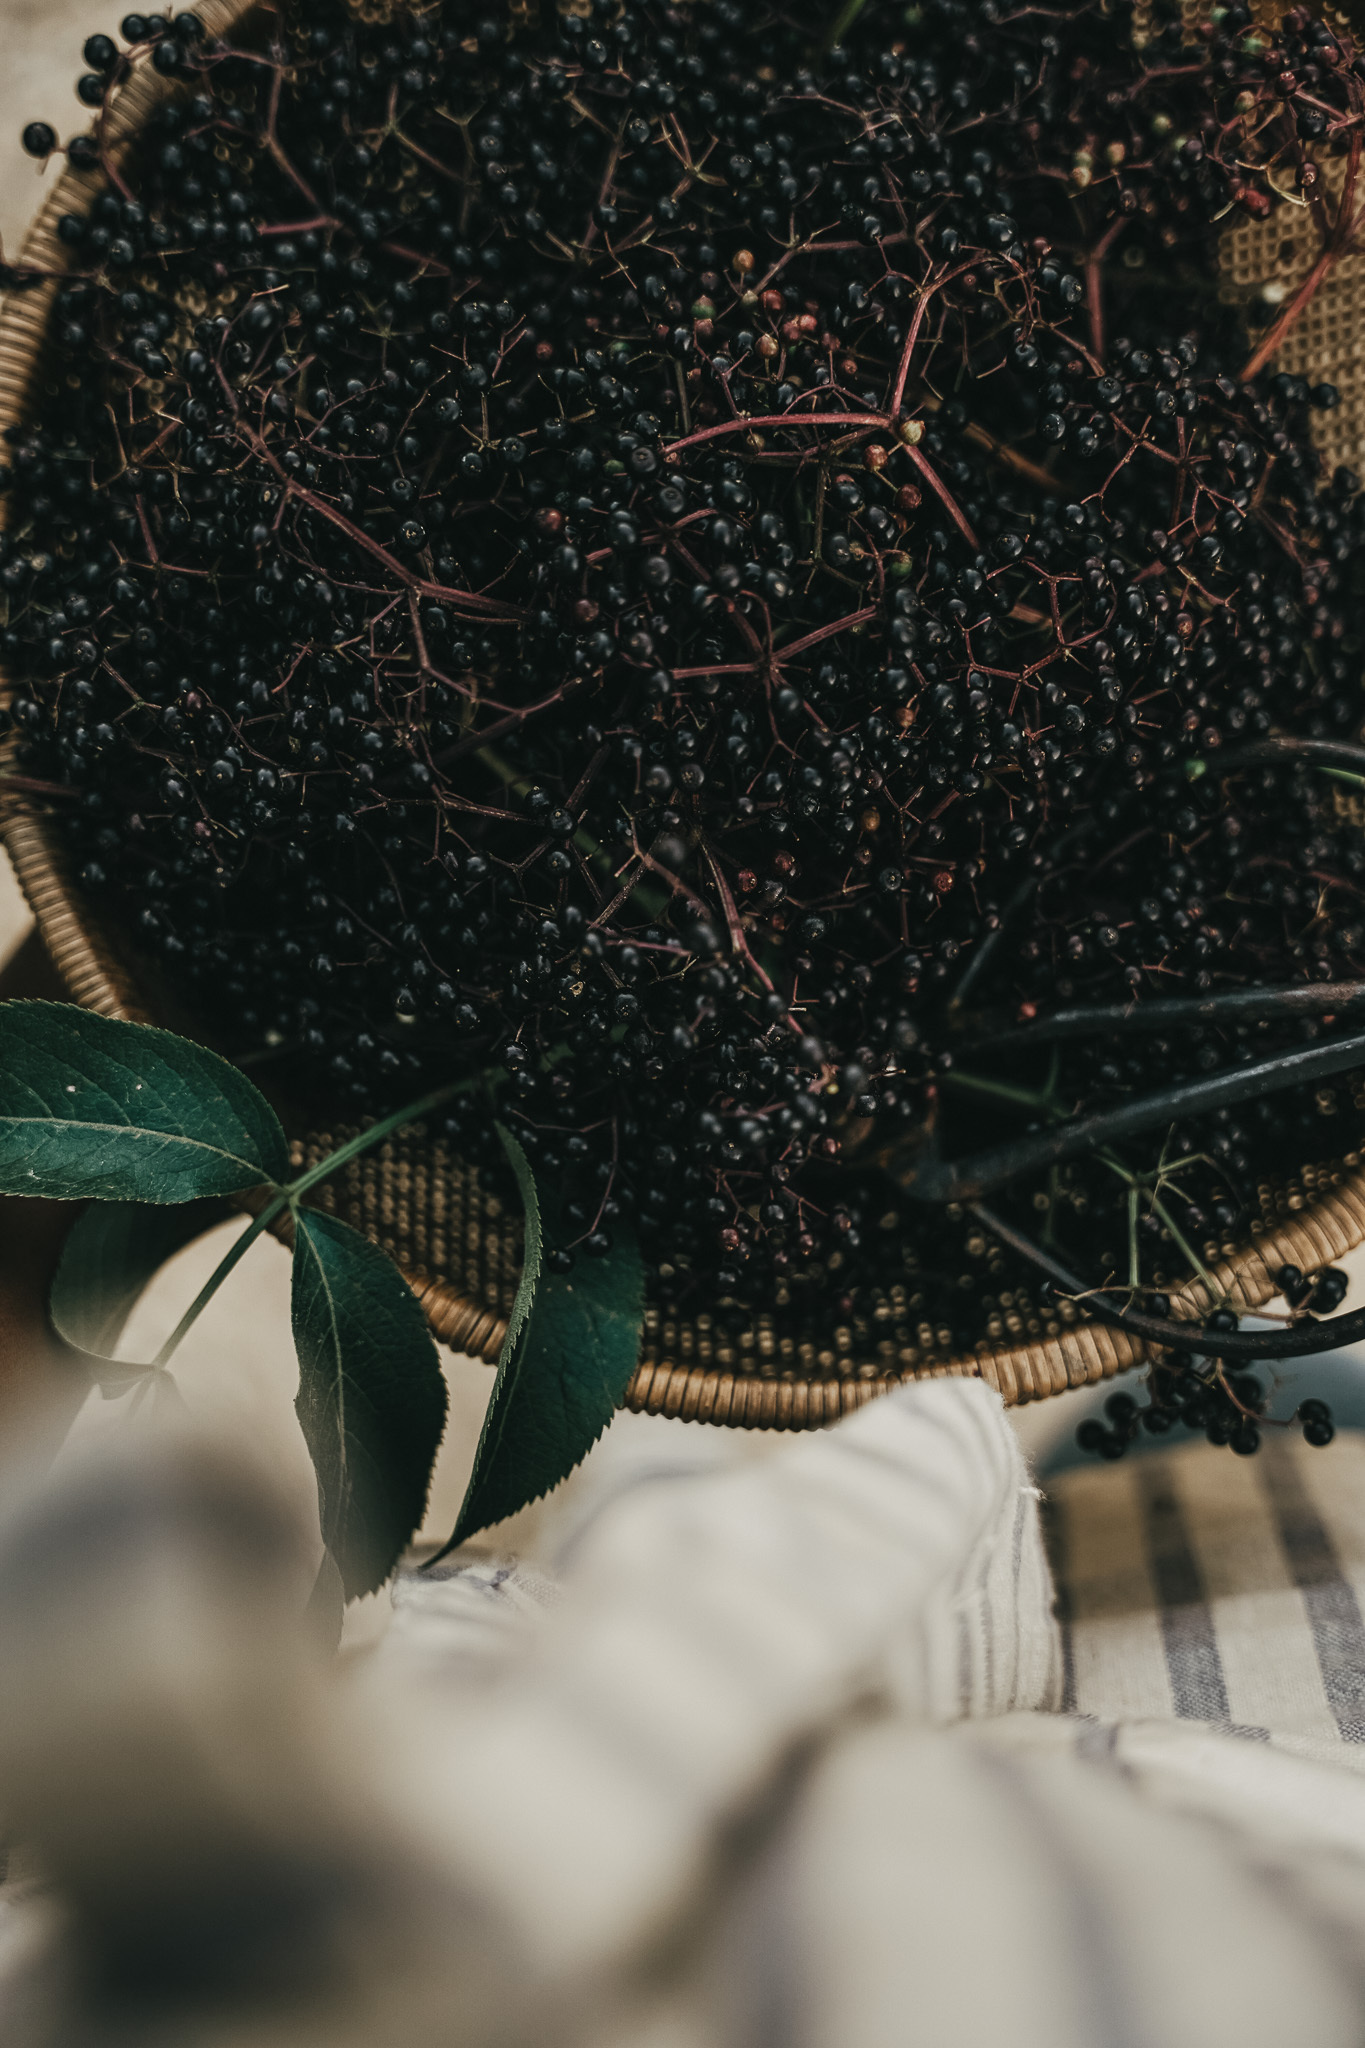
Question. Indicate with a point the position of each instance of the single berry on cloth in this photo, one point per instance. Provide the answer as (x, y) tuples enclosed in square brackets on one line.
[(704, 577)]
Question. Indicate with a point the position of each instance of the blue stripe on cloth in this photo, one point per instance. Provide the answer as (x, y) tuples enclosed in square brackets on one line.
[(1329, 1599), (1198, 1688), (1189, 1633)]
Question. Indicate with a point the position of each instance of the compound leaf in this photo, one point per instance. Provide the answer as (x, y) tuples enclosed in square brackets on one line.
[(111, 1252), (573, 1340), (95, 1109), (371, 1400)]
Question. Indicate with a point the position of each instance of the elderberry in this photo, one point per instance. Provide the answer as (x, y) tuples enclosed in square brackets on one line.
[(1227, 1408), (715, 649)]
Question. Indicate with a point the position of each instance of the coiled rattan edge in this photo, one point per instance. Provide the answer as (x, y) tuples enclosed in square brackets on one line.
[(97, 978)]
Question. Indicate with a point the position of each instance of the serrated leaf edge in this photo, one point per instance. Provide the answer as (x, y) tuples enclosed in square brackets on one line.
[(498, 1412), (65, 1016), (341, 1231), (533, 1244)]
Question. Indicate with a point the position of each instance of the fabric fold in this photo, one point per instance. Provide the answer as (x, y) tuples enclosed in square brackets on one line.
[(710, 1627)]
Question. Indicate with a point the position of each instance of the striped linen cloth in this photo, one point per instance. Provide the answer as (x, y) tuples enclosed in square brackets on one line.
[(1198, 1586), (801, 1759), (1037, 1881), (773, 1746), (713, 1623)]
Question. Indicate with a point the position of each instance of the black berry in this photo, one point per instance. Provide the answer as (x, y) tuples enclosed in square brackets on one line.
[(519, 610)]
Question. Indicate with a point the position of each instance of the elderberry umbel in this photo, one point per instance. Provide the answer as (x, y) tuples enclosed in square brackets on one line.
[(703, 575), (1229, 1408)]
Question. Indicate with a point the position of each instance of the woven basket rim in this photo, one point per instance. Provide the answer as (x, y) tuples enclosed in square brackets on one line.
[(100, 978)]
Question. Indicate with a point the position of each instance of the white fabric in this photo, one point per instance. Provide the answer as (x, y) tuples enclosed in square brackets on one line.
[(711, 1625), (767, 1748), (837, 1658)]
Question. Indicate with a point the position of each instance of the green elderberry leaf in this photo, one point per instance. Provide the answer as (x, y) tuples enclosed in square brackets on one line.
[(110, 1254), (93, 1109), (573, 1341), (533, 1245), (371, 1400)]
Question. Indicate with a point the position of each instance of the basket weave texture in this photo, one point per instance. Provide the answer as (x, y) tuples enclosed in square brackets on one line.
[(455, 1242)]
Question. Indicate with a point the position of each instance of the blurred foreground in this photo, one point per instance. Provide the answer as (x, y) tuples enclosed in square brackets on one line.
[(763, 1750)]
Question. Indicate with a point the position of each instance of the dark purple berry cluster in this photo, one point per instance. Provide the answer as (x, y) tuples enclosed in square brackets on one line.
[(702, 575), (1227, 1407)]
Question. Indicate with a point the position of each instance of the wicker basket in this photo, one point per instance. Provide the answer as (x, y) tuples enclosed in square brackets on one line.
[(457, 1246)]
